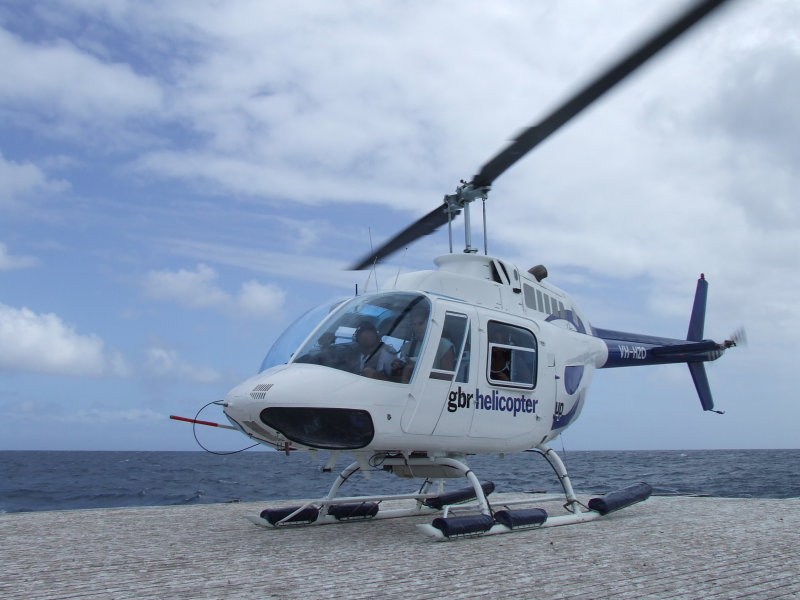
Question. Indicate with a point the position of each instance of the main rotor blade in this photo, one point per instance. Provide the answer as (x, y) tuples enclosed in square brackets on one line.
[(421, 227), (536, 134)]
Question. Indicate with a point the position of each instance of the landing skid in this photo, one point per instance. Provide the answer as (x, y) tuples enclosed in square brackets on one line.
[(481, 520)]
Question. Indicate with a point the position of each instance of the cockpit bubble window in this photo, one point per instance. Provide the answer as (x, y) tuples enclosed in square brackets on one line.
[(512, 356), (283, 348), (378, 336)]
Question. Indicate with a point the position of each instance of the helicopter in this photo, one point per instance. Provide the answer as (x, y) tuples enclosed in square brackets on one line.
[(476, 356)]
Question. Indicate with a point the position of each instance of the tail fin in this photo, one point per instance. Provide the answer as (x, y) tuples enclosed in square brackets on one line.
[(633, 349), (698, 318), (695, 334)]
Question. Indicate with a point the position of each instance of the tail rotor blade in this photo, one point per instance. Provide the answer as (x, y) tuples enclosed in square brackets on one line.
[(738, 338)]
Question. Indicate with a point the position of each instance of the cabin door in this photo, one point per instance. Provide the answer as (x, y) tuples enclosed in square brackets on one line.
[(439, 397)]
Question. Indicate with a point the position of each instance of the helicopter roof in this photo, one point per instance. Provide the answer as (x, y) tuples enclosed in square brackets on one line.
[(479, 279)]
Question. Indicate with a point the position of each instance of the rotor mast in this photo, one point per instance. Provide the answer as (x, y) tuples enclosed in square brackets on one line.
[(465, 194)]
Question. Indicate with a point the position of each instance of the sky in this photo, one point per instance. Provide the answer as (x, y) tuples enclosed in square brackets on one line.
[(181, 180)]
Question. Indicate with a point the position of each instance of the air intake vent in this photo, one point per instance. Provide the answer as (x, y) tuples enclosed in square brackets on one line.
[(539, 272), (260, 391)]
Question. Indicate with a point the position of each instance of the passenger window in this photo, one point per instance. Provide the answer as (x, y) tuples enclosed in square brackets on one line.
[(450, 351), (530, 296), (463, 363), (512, 356)]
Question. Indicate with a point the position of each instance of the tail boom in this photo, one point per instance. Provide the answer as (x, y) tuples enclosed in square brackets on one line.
[(635, 350)]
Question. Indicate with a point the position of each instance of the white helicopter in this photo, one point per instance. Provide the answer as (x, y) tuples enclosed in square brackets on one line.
[(477, 356)]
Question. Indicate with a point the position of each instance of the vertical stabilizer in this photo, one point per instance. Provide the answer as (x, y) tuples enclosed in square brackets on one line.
[(695, 334), (698, 318)]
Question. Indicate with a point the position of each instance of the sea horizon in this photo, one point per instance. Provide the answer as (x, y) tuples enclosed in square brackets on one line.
[(73, 479)]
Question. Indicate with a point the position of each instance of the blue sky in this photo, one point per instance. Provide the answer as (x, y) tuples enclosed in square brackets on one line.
[(180, 180)]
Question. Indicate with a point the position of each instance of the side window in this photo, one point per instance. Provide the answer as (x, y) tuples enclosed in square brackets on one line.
[(452, 352), (530, 296), (512, 356)]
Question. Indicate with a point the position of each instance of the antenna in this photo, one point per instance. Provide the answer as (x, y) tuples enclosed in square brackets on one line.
[(374, 263), (485, 237), (399, 267)]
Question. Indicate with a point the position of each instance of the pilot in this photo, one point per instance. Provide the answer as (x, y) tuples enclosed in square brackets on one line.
[(376, 359)]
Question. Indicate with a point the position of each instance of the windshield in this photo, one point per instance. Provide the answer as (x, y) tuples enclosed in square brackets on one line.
[(376, 336), (284, 347)]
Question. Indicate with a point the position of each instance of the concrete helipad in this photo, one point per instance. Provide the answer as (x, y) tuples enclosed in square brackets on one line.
[(677, 547)]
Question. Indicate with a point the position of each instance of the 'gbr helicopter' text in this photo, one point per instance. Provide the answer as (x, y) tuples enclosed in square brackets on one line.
[(491, 401)]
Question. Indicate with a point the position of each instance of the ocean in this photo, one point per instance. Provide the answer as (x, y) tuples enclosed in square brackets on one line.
[(49, 480)]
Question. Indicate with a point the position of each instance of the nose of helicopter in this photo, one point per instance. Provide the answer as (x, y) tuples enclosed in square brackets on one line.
[(288, 407)]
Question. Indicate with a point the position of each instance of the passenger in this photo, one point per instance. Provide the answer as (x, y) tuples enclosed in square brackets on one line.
[(376, 359), (446, 352), (412, 346), (410, 350), (500, 360), (445, 355), (329, 354), (501, 364)]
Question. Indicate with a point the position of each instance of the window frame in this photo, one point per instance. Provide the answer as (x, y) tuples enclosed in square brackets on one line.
[(458, 352), (511, 348)]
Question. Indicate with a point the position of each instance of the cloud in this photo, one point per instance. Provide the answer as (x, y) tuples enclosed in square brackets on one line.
[(8, 261), (199, 289), (165, 363), (192, 289), (71, 85), (45, 344), (24, 180), (308, 268), (258, 299)]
